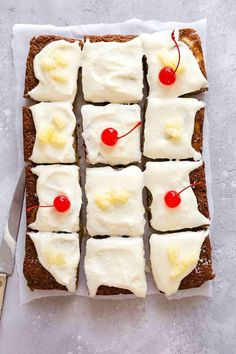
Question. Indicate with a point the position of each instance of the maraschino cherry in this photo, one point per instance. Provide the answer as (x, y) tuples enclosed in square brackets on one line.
[(173, 199), (110, 136), (167, 75), (61, 203)]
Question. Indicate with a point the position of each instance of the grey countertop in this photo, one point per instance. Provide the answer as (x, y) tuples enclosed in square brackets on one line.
[(155, 325)]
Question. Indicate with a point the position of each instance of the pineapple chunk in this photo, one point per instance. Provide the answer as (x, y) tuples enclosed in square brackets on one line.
[(60, 59), (178, 269), (60, 121), (57, 76), (103, 200), (173, 254), (119, 196), (54, 258), (57, 139), (173, 129), (179, 265), (45, 134), (164, 57), (48, 64)]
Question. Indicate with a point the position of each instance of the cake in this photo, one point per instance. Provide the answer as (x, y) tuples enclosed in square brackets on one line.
[(43, 185), (162, 177), (141, 170), (52, 68), (161, 51), (51, 261), (112, 69), (173, 128), (122, 118), (180, 260), (49, 133), (114, 201), (114, 265)]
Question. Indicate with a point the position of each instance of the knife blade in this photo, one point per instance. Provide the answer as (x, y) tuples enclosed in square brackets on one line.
[(8, 244)]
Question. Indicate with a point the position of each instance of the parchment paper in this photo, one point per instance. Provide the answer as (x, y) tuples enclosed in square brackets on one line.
[(22, 33)]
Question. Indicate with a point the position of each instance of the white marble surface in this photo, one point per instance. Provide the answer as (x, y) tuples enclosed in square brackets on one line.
[(73, 325)]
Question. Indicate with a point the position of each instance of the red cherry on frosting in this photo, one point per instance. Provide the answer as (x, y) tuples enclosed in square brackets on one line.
[(61, 203), (167, 75), (109, 136), (172, 199)]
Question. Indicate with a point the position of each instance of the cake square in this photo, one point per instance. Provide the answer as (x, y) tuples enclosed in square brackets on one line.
[(51, 261), (160, 51), (112, 69), (117, 116), (173, 128), (49, 133), (162, 177), (114, 265), (180, 260), (52, 68), (43, 185), (115, 206)]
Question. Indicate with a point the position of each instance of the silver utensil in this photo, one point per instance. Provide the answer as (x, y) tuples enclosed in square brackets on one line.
[(8, 245)]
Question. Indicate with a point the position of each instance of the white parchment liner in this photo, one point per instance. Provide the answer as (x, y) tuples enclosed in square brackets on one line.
[(22, 33)]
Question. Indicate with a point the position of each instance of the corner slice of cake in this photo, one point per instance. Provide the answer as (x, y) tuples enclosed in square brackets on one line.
[(43, 185), (180, 260), (115, 206), (52, 68), (173, 128), (161, 51), (51, 261), (49, 133), (112, 69), (168, 176), (117, 116), (114, 265)]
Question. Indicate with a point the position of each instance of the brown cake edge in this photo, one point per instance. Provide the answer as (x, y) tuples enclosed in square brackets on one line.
[(31, 195), (200, 191), (203, 271), (110, 38), (190, 37), (29, 132), (197, 138), (112, 290)]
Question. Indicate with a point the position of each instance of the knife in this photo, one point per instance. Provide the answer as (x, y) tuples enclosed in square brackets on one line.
[(8, 245)]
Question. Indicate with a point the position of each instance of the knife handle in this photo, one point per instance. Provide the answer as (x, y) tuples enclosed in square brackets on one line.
[(3, 283)]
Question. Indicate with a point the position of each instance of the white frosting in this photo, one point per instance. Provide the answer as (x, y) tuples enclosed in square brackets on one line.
[(112, 71), (109, 216), (173, 257), (161, 177), (169, 127), (45, 116), (59, 254), (116, 261), (120, 117), (56, 67), (52, 181), (161, 51)]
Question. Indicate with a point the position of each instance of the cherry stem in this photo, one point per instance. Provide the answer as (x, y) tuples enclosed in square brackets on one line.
[(39, 206), (191, 185), (136, 125), (177, 46)]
